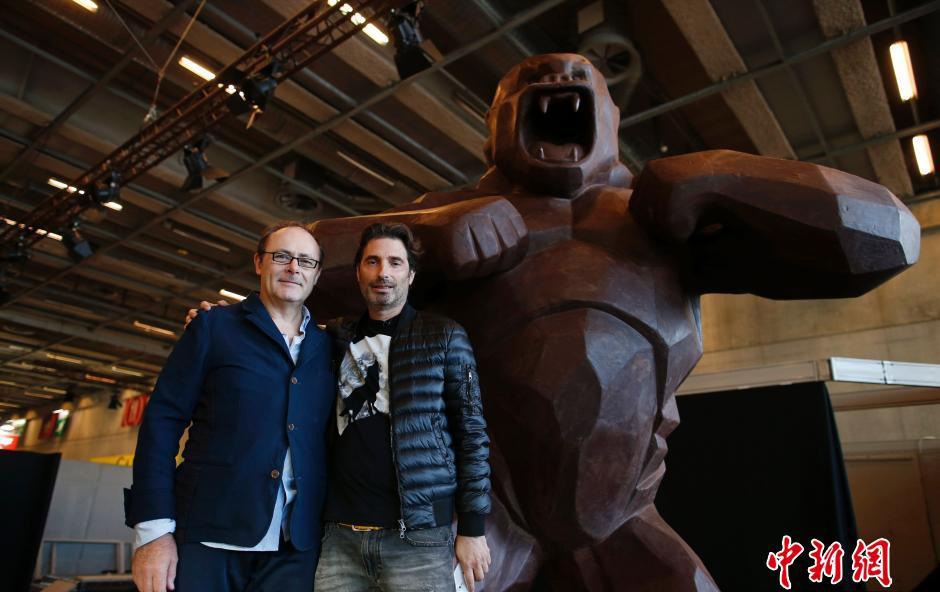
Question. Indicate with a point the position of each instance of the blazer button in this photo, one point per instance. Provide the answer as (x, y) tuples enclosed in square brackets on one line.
[(275, 474), (290, 427), (293, 380)]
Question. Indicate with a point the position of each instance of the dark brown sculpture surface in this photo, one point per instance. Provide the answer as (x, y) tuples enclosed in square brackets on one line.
[(581, 299)]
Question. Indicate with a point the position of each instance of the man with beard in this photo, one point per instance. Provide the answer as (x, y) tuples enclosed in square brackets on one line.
[(410, 446)]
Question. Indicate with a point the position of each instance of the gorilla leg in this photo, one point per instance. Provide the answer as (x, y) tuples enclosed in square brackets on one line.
[(516, 555), (572, 400), (644, 555)]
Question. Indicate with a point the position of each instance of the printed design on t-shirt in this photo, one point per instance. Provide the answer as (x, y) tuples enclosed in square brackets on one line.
[(363, 382)]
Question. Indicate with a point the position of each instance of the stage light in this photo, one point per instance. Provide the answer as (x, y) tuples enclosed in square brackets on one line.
[(125, 371), (374, 33), (87, 5), (922, 154), (77, 245), (232, 295), (409, 56), (107, 194), (195, 161), (903, 70), (115, 402), (57, 391), (253, 93), (196, 68)]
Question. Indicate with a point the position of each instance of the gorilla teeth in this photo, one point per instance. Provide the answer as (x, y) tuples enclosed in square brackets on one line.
[(551, 152), (546, 100)]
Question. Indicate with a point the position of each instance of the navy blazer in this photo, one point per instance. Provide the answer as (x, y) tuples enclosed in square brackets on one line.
[(232, 376)]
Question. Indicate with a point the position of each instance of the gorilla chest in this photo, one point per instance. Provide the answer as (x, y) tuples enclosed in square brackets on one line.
[(585, 253)]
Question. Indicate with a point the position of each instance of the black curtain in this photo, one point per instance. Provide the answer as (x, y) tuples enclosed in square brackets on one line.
[(746, 467), (28, 479)]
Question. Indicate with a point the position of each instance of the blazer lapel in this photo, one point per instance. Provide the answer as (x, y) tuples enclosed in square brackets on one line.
[(257, 314), (314, 340)]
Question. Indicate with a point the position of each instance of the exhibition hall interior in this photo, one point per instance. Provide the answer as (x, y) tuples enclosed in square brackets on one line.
[(711, 361)]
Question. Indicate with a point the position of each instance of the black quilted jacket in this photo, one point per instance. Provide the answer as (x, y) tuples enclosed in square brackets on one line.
[(439, 439)]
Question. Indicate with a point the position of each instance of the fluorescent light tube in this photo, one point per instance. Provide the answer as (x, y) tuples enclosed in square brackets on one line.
[(922, 154), (87, 5), (903, 71), (196, 68)]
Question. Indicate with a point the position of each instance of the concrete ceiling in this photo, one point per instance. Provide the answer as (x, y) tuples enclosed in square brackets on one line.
[(715, 74)]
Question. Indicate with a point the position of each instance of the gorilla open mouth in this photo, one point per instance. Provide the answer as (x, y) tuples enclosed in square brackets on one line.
[(558, 122)]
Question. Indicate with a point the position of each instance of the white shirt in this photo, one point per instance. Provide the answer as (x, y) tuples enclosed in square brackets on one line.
[(144, 532)]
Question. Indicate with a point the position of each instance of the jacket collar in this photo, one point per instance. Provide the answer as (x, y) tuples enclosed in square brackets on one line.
[(407, 315), (257, 314)]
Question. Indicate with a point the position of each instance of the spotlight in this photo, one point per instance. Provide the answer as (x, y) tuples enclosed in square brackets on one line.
[(77, 245), (259, 88), (197, 164), (115, 402), (409, 57), (252, 93), (107, 194), (194, 159)]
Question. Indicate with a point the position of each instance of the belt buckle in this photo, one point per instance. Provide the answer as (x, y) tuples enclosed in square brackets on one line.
[(358, 528)]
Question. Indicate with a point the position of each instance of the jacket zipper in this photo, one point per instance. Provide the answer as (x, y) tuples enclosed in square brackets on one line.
[(391, 439)]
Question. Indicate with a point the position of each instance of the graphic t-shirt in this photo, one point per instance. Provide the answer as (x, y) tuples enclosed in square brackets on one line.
[(363, 489)]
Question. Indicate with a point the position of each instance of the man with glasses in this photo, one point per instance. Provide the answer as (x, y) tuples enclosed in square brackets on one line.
[(254, 383)]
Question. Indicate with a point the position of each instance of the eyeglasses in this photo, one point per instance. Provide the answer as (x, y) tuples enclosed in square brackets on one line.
[(282, 258)]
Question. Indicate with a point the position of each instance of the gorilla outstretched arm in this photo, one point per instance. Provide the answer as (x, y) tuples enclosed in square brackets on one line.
[(775, 228)]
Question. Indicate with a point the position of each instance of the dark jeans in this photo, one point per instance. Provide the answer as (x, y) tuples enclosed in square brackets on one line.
[(380, 560), (204, 569)]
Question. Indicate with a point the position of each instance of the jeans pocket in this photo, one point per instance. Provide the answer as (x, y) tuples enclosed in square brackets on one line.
[(328, 529), (439, 536)]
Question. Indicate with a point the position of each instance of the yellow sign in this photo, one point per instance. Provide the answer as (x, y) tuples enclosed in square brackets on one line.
[(122, 460)]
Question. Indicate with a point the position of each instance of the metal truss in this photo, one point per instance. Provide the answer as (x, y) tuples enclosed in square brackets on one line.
[(287, 49)]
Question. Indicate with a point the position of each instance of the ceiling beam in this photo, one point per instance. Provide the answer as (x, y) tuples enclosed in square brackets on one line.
[(822, 48), (864, 88), (703, 30), (129, 53), (78, 331), (364, 57)]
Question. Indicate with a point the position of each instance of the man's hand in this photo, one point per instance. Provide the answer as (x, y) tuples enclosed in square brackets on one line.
[(154, 565), (202, 306), (473, 554), (473, 238)]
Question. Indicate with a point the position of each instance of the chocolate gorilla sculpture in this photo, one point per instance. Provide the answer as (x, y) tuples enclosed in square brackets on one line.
[(581, 298)]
